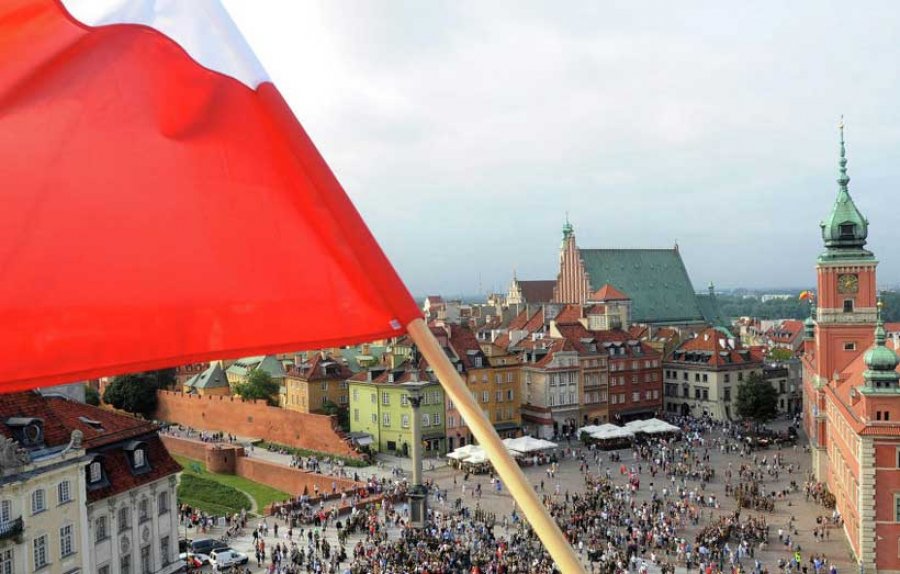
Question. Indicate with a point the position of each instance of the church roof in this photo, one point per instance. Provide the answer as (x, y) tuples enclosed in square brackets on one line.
[(655, 279), (537, 291), (709, 307)]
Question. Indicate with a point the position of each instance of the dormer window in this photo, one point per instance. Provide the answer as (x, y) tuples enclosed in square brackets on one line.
[(137, 456), (95, 472), (28, 431), (848, 230)]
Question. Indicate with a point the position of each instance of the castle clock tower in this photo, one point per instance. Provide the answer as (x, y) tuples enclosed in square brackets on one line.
[(847, 297)]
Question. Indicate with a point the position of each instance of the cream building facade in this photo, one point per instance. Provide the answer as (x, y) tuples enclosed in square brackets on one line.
[(42, 494)]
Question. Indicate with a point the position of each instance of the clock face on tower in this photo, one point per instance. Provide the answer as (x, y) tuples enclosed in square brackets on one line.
[(848, 283)]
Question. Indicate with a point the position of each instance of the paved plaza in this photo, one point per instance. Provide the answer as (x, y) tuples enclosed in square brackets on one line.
[(478, 491)]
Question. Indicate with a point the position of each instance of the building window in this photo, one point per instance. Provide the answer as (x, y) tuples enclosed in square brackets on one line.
[(850, 346), (356, 415), (355, 395), (485, 396), (163, 502), (38, 501), (374, 418), (510, 377), (727, 378), (124, 519), (437, 419), (740, 377), (848, 305), (96, 472), (7, 563), (64, 492), (374, 398), (5, 514), (385, 399), (103, 569), (706, 378), (404, 421), (635, 396), (125, 564), (146, 567), (101, 532), (164, 551), (143, 510), (40, 551), (727, 395), (510, 394), (897, 508), (404, 399), (426, 420), (386, 419), (66, 546), (140, 458)]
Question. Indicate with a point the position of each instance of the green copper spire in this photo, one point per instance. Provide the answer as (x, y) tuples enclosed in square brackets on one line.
[(809, 325), (568, 230), (845, 230), (881, 362)]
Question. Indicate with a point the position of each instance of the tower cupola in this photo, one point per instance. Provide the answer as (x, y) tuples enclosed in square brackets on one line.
[(881, 362), (846, 229)]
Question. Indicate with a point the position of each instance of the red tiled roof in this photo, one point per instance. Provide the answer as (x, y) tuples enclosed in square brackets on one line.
[(540, 291), (320, 369), (118, 471), (637, 331), (569, 314), (608, 293), (720, 348), (465, 345), (787, 332), (62, 416)]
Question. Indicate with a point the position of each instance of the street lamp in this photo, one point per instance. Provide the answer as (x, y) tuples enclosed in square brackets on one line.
[(417, 494)]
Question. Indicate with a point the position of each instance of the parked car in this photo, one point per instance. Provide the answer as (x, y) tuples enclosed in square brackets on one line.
[(193, 560), (223, 558), (207, 545)]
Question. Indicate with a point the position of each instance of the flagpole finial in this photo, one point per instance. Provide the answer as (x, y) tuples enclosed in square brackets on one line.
[(843, 179)]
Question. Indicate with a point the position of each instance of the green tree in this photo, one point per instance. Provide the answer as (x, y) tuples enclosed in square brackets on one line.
[(164, 378), (779, 354), (343, 416), (135, 393), (757, 400), (91, 396), (259, 385)]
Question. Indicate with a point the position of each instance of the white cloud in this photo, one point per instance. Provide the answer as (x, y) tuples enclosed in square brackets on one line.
[(464, 131)]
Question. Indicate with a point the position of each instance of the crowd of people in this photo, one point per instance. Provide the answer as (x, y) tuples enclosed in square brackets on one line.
[(632, 513)]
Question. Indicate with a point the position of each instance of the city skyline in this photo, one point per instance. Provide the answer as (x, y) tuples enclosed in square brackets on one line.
[(464, 133)]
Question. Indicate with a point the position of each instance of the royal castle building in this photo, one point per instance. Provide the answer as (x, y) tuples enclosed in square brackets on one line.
[(850, 379)]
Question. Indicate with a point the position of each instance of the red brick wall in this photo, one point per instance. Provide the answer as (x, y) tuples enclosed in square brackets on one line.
[(189, 448), (290, 480), (253, 419)]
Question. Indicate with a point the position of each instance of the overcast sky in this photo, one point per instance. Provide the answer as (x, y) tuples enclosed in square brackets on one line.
[(464, 131)]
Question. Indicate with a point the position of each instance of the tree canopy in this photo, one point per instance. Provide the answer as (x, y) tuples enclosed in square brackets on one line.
[(91, 396), (259, 385), (134, 393), (756, 399), (779, 354)]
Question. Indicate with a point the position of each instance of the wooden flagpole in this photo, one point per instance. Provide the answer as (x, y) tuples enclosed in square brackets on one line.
[(537, 515)]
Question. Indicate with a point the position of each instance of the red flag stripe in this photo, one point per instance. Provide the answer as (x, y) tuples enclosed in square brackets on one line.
[(159, 212)]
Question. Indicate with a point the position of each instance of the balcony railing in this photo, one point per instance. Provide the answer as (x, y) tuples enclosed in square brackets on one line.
[(11, 529)]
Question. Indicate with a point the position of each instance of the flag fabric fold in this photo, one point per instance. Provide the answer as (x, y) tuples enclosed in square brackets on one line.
[(160, 211)]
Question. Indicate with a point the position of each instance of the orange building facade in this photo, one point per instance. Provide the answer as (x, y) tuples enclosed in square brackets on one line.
[(852, 395)]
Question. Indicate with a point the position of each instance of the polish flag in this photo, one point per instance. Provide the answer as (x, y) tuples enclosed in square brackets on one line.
[(161, 203)]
